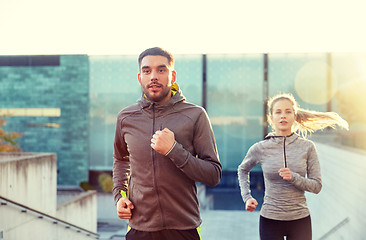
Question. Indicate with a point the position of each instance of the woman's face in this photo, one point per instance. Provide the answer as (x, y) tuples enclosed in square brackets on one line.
[(283, 117)]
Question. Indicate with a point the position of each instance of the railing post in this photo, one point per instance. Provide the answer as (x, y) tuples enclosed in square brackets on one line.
[(329, 82), (204, 81), (265, 93)]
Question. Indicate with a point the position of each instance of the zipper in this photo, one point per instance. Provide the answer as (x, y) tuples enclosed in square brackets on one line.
[(284, 151), (153, 153)]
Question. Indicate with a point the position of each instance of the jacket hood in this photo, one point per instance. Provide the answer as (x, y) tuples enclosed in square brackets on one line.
[(177, 96)]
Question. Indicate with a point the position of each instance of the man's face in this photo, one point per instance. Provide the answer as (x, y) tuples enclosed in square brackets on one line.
[(156, 78)]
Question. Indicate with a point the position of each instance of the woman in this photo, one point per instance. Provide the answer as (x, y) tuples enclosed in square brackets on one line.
[(290, 167)]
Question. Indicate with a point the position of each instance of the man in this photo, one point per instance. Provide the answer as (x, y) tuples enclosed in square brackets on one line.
[(163, 146)]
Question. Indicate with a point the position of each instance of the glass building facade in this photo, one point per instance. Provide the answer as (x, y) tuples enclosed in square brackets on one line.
[(234, 92), (89, 91)]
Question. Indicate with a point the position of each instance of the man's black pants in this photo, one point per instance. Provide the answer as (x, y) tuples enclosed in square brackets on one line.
[(168, 234)]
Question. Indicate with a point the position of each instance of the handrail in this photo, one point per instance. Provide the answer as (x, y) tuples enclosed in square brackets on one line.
[(55, 219), (335, 228)]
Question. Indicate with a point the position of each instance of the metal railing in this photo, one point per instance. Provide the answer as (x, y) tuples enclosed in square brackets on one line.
[(42, 215), (334, 229)]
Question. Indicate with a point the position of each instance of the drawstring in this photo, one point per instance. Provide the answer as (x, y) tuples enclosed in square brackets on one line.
[(284, 151)]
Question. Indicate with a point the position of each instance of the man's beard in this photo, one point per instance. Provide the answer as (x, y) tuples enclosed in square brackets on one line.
[(157, 98)]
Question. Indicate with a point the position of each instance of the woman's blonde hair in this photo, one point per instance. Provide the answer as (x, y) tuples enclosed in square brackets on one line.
[(306, 121)]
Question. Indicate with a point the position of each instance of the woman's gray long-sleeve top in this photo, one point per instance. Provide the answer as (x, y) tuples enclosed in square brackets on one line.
[(283, 199)]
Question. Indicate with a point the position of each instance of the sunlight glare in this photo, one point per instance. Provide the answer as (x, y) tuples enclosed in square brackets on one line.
[(312, 79)]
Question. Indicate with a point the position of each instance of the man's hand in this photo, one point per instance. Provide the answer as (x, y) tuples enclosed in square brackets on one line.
[(162, 141), (285, 173), (251, 204), (124, 207)]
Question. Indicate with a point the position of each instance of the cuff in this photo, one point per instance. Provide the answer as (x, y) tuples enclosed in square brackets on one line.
[(175, 143), (295, 176)]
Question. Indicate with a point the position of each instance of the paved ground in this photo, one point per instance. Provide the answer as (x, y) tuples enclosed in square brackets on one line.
[(217, 225), (230, 225)]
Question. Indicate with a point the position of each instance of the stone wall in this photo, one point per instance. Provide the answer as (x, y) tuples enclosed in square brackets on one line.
[(28, 209), (80, 210), (339, 210), (30, 179)]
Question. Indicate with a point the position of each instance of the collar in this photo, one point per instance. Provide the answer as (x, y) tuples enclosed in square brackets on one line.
[(277, 139)]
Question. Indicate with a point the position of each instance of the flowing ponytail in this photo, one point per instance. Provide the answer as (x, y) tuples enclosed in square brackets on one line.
[(306, 121)]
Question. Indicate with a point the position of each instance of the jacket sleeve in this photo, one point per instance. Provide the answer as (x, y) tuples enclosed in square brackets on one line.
[(121, 163), (311, 183), (205, 167), (250, 161)]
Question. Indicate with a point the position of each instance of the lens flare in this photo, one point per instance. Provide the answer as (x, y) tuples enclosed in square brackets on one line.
[(316, 82)]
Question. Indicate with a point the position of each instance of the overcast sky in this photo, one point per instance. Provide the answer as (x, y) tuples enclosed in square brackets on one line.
[(108, 27)]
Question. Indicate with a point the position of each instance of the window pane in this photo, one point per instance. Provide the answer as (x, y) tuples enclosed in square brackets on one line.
[(189, 77), (234, 104), (113, 86), (303, 75), (349, 101)]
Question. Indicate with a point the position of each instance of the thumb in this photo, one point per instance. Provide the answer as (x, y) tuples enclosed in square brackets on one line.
[(166, 130)]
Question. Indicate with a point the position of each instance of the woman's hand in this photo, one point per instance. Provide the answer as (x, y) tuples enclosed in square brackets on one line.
[(251, 204), (285, 173)]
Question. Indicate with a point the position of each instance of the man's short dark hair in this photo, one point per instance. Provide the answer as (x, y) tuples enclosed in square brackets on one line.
[(157, 51)]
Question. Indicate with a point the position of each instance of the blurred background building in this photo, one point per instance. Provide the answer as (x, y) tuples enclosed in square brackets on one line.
[(68, 104)]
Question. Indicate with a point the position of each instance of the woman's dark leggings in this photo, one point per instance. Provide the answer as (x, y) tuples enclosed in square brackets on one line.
[(270, 229)]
